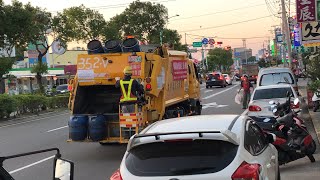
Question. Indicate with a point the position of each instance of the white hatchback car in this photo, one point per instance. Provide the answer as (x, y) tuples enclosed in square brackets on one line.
[(259, 108), (224, 147), (275, 75)]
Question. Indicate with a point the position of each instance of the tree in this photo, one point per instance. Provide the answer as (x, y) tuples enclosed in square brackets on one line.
[(262, 63), (79, 24), (252, 59), (219, 58), (37, 36), (142, 19), (169, 36), (15, 21)]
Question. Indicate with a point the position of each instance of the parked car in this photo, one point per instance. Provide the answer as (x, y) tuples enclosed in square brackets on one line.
[(271, 76), (206, 147), (228, 79), (62, 89), (259, 108), (215, 79)]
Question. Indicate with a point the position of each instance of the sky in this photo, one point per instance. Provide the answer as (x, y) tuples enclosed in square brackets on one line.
[(198, 18)]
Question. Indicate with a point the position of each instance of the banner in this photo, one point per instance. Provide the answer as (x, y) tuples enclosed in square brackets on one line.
[(306, 10), (297, 37), (179, 69), (310, 32)]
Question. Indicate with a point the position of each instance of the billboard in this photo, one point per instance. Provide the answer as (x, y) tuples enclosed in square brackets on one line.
[(306, 10)]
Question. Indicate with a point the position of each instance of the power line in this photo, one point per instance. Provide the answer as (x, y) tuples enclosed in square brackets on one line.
[(219, 12), (114, 6), (240, 22), (257, 37)]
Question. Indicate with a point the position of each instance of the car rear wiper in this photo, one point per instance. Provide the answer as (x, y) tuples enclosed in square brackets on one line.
[(282, 83), (191, 170)]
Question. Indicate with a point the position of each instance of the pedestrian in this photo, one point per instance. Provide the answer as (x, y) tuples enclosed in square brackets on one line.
[(130, 89), (246, 85)]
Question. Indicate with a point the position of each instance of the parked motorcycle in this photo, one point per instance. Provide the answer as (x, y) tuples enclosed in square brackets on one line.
[(293, 140), (316, 100)]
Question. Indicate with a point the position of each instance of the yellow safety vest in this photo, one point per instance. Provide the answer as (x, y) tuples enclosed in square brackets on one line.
[(126, 96)]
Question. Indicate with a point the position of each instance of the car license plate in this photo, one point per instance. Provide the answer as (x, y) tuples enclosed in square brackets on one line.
[(213, 80)]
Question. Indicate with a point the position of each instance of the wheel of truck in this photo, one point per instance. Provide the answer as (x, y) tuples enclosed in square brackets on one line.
[(207, 87)]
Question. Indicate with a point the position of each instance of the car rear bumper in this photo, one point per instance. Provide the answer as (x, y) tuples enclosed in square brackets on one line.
[(215, 83)]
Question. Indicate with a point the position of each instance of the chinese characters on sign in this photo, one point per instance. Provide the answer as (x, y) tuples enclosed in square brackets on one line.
[(310, 32), (179, 70), (306, 10), (136, 68)]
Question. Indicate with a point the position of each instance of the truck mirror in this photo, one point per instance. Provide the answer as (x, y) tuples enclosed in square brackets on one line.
[(63, 169)]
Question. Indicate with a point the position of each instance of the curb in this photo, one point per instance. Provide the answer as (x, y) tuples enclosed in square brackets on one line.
[(26, 116), (313, 115), (316, 123)]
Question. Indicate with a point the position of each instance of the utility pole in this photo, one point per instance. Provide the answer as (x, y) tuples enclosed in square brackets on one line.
[(285, 29), (244, 41), (185, 38)]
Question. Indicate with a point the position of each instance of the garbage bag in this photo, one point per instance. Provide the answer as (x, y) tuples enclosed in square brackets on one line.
[(239, 97)]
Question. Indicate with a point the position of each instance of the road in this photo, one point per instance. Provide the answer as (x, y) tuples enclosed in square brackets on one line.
[(93, 161)]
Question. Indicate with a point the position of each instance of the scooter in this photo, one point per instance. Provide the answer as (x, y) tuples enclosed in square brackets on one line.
[(316, 100), (293, 140)]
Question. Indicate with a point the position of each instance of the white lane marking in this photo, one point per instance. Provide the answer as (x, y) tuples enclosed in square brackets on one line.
[(208, 91), (202, 88), (30, 165), (244, 112), (56, 129), (212, 95), (24, 122)]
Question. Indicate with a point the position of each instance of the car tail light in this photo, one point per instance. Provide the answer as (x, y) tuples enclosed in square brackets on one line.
[(221, 77), (246, 171), (295, 106), (148, 87), (254, 108), (116, 175)]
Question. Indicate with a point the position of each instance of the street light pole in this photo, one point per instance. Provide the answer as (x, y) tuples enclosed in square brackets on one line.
[(161, 32)]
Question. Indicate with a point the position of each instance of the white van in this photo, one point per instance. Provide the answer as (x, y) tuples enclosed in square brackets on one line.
[(274, 75)]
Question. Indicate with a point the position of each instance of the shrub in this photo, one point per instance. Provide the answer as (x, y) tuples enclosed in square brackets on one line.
[(25, 103), (8, 105)]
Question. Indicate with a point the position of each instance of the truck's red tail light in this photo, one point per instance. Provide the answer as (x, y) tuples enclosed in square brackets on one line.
[(254, 108), (246, 171), (148, 87), (116, 175)]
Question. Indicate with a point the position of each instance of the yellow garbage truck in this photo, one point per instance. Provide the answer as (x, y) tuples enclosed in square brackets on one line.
[(169, 79)]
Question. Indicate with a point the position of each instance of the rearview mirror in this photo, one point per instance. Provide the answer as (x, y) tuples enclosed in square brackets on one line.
[(296, 101), (63, 169), (270, 138)]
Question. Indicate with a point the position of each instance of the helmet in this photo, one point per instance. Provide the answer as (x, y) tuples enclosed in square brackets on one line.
[(245, 76), (127, 70)]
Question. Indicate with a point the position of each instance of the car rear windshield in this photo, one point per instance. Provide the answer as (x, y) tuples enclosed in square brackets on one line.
[(62, 87), (271, 93), (276, 78), (215, 76), (180, 158)]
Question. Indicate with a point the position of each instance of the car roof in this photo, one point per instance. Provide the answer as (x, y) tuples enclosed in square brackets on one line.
[(274, 86), (274, 70), (194, 123)]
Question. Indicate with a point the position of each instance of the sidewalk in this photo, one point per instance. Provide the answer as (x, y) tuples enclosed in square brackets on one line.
[(309, 115)]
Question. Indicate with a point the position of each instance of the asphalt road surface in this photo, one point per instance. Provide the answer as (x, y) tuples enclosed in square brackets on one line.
[(95, 162)]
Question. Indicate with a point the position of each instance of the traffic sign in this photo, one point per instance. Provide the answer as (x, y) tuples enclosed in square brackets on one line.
[(197, 44), (279, 38), (205, 41), (211, 41)]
